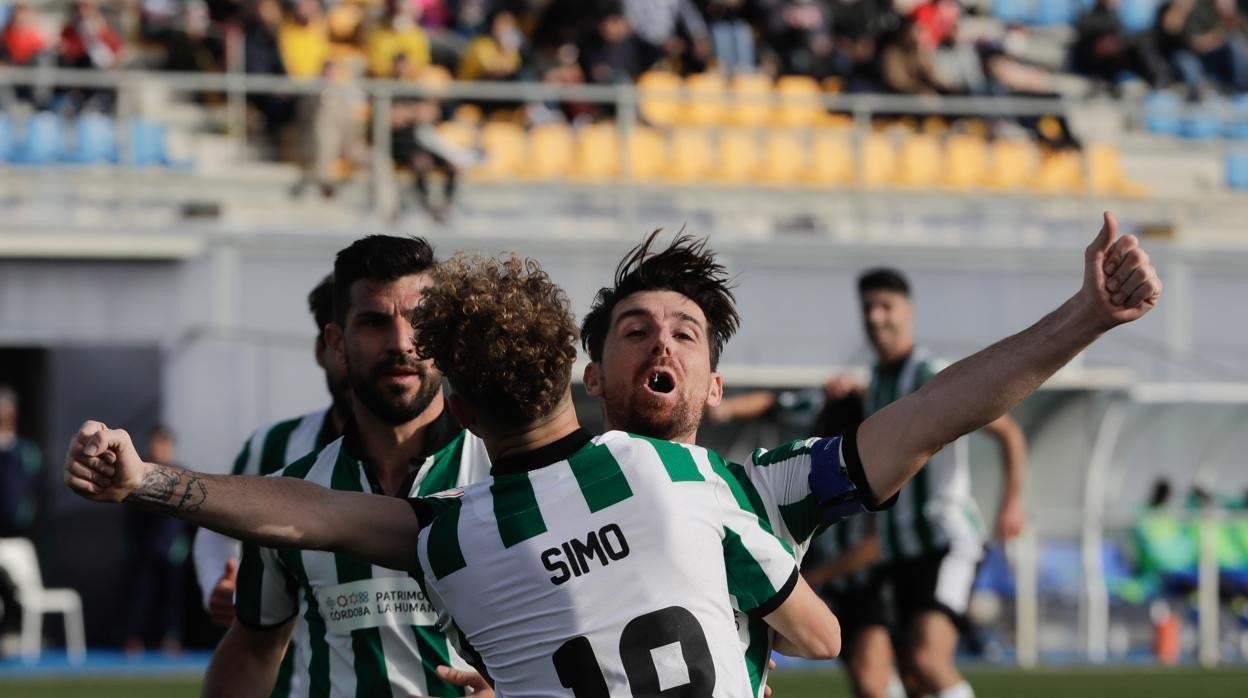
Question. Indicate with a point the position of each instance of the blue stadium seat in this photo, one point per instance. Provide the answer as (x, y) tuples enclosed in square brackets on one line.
[(1052, 13), (95, 140), (1138, 15), (42, 141), (1237, 169), (1236, 125), (1202, 121), (6, 137), (1162, 112), (147, 143), (1060, 569), (1012, 11)]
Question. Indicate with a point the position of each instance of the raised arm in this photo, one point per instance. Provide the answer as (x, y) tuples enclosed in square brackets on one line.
[(1013, 444), (1120, 285), (103, 466)]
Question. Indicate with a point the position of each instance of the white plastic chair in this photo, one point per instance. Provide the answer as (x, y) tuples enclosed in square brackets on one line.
[(17, 557)]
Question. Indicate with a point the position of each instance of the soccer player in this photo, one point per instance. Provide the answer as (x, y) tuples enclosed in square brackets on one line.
[(395, 421), (267, 450)]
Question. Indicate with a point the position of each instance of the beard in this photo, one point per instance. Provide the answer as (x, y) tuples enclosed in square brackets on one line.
[(638, 412), (393, 407)]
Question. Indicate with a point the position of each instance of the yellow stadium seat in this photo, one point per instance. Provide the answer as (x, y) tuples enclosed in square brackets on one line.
[(550, 151), (934, 125), (877, 165), (690, 159), (784, 161), (659, 93), (1061, 172), (647, 155), (1105, 173), (468, 114), (457, 132), (738, 155), (1013, 165), (504, 147), (921, 163), (597, 152), (707, 97), (799, 101), (752, 95), (831, 158), (966, 162)]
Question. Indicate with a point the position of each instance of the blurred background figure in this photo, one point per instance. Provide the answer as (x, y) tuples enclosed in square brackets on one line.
[(157, 550), (20, 466)]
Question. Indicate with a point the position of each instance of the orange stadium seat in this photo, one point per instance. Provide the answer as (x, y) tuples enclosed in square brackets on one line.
[(921, 163), (647, 155), (738, 155), (707, 97), (1105, 173), (966, 162), (597, 152), (799, 105), (659, 93), (457, 132), (504, 146), (550, 151), (1061, 172), (752, 96), (831, 158), (690, 157), (877, 162), (468, 114), (784, 161), (1013, 165)]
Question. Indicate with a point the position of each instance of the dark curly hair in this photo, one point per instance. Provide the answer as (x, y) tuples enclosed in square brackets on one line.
[(685, 266), (502, 332)]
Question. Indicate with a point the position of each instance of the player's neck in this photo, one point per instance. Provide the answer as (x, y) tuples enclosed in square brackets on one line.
[(896, 354), (559, 424), (391, 448)]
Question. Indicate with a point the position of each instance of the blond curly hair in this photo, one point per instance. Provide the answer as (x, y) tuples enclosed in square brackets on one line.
[(502, 332)]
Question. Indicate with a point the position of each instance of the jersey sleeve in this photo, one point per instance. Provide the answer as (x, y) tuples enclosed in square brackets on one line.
[(760, 568), (265, 595)]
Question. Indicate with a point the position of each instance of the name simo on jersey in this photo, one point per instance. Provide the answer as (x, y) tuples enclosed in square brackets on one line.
[(571, 558)]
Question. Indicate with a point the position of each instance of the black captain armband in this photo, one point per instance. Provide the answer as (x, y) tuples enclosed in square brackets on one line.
[(838, 481)]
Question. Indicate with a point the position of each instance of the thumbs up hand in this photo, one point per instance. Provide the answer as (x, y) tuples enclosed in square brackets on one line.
[(1120, 283)]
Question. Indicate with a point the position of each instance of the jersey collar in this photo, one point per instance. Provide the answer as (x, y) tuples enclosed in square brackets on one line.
[(550, 453)]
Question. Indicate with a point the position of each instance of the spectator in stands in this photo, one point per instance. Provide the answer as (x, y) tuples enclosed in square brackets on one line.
[(415, 143), (1008, 73), (88, 40), (732, 33), (333, 131), (671, 30), (496, 54), (158, 548), (799, 37), (937, 21), (857, 26), (907, 65), (262, 55), (611, 53), (304, 40), (24, 40), (1203, 41), (397, 32), (20, 463), (1103, 49), (189, 43)]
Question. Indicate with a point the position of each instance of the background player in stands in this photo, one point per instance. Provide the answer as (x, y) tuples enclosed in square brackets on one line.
[(395, 421)]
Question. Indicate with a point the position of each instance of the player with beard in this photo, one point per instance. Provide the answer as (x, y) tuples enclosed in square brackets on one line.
[(396, 421)]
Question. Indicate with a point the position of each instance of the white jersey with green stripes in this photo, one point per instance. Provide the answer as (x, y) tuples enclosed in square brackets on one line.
[(361, 629), (610, 573), (934, 510)]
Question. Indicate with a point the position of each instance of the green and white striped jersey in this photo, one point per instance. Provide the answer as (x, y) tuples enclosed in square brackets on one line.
[(609, 572), (935, 510), (362, 629)]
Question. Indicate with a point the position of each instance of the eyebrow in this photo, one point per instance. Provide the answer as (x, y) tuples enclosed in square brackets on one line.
[(639, 312)]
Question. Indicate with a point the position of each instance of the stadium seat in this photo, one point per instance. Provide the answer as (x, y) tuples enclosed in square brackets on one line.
[(1138, 15), (18, 559), (148, 143), (1237, 169), (460, 133), (42, 142), (95, 140), (921, 164), (1202, 121), (877, 160), (966, 162), (1105, 173), (1012, 11), (832, 158), (690, 157), (752, 97), (798, 101), (6, 137), (1162, 112), (660, 98), (1061, 172), (504, 147), (738, 155), (468, 114), (784, 161), (1012, 166), (707, 95), (597, 152), (1053, 13), (550, 151), (647, 155)]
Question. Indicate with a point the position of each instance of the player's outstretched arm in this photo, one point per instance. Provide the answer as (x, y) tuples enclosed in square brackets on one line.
[(102, 465), (804, 626), (246, 661), (1120, 285)]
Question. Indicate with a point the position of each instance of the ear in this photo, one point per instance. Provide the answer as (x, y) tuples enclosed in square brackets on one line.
[(319, 349), (461, 411), (593, 379), (715, 395), (335, 342)]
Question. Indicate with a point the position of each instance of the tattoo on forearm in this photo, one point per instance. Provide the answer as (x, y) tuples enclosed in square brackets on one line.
[(161, 484)]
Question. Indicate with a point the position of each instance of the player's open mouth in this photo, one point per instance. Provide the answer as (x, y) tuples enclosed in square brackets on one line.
[(661, 381)]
